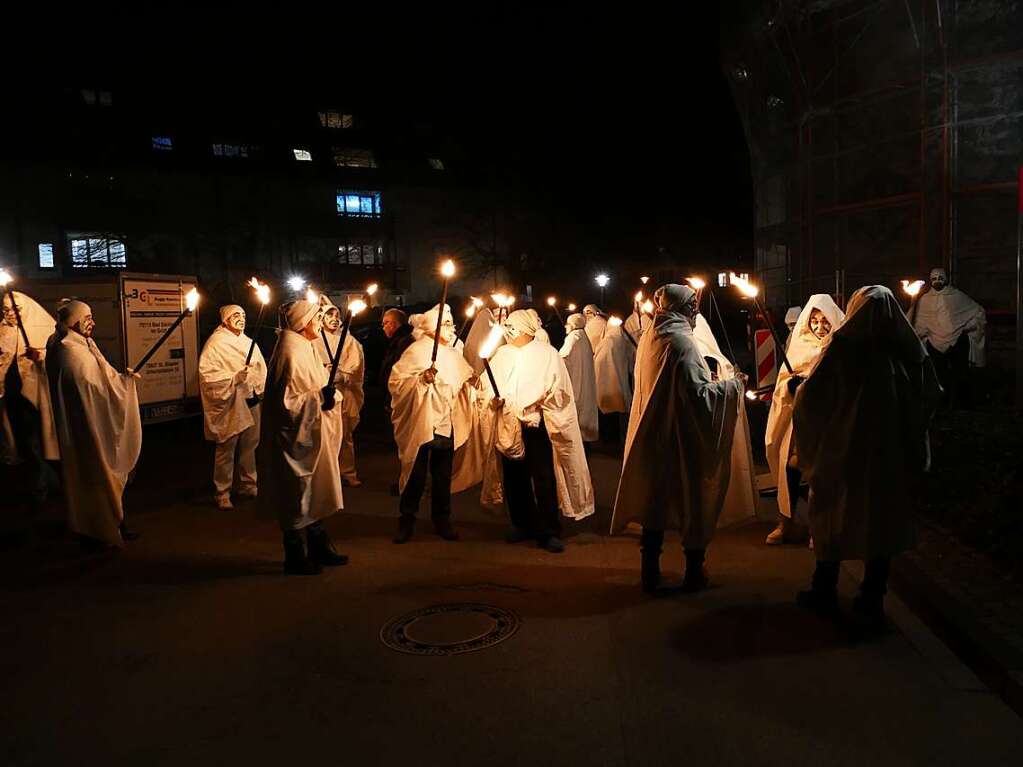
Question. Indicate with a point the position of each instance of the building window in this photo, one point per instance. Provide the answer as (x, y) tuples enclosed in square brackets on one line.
[(97, 253), (361, 254), (162, 143), (436, 164), (332, 119), (45, 255), (358, 204), (232, 150), (722, 279), (303, 155), (346, 157), (93, 97)]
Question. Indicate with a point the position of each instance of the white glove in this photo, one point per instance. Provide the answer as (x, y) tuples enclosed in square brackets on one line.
[(241, 376)]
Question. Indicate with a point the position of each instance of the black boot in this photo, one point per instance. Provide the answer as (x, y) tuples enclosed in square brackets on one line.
[(442, 526), (321, 548), (650, 545), (295, 560), (869, 603), (822, 596), (406, 526), (696, 574)]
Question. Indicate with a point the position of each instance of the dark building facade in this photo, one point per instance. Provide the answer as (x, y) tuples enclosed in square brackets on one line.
[(886, 137)]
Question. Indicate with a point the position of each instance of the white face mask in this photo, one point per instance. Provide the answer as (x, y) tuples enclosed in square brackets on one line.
[(9, 317), (819, 325), (939, 279), (85, 326), (332, 320), (236, 322)]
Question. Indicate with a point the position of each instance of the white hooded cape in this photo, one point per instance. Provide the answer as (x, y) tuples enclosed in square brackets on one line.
[(861, 423), (100, 431), (535, 384), (941, 316), (678, 449), (351, 372), (224, 408), (613, 365), (477, 336), (39, 326), (742, 496), (299, 442), (413, 403), (803, 350), (578, 357), (595, 328)]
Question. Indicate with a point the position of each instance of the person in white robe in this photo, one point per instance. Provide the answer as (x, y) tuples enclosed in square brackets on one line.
[(791, 315), (742, 496), (953, 328), (99, 427), (596, 324), (817, 320), (230, 392), (678, 449), (477, 337), (434, 416), (28, 435), (542, 465), (300, 437), (351, 372), (613, 366), (578, 357), (861, 420)]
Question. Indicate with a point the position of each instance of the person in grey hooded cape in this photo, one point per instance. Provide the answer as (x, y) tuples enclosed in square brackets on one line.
[(678, 448), (861, 421)]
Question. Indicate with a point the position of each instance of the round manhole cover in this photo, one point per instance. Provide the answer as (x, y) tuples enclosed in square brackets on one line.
[(449, 629)]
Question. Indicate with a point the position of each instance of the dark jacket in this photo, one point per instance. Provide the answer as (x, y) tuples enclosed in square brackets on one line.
[(399, 342)]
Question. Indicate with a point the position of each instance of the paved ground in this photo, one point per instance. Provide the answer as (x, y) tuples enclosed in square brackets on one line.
[(189, 647)]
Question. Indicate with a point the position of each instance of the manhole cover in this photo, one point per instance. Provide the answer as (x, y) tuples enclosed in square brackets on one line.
[(449, 629)]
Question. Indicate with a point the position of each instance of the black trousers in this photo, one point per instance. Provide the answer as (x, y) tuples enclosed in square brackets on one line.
[(953, 369), (875, 577), (530, 488), (28, 438), (439, 455)]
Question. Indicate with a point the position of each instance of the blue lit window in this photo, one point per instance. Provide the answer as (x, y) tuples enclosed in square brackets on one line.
[(97, 253), (358, 204), (45, 255), (162, 143)]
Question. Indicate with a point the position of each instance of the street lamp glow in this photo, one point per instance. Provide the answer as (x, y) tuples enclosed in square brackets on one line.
[(296, 283), (551, 301), (644, 279), (571, 307), (602, 280)]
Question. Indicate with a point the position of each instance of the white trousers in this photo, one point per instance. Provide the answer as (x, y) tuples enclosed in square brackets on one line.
[(346, 459), (244, 445)]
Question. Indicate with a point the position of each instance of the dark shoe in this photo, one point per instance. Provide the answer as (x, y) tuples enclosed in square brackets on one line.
[(295, 560), (650, 546), (821, 602), (517, 535), (128, 535), (696, 574), (871, 611), (321, 548), (443, 528), (553, 544), (406, 526)]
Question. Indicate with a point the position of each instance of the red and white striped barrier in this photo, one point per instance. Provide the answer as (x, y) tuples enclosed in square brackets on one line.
[(767, 358)]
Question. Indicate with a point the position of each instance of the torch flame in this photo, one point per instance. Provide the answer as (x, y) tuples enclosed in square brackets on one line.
[(5, 278), (262, 290), (447, 269), (356, 306), (571, 307), (312, 296), (477, 302), (696, 283), (750, 394), (644, 279), (470, 310), (498, 298), (192, 299), (371, 290), (747, 288), (614, 322), (648, 307), (552, 301), (493, 339), (912, 288), (638, 298)]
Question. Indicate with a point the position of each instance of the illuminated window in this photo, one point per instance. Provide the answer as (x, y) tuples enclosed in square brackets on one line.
[(361, 254), (162, 143), (744, 276), (337, 120), (93, 97), (97, 253), (231, 150), (346, 157), (436, 164), (722, 279), (358, 204), (45, 255), (303, 155)]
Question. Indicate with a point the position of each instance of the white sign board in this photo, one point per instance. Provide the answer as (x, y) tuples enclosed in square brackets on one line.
[(151, 305)]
